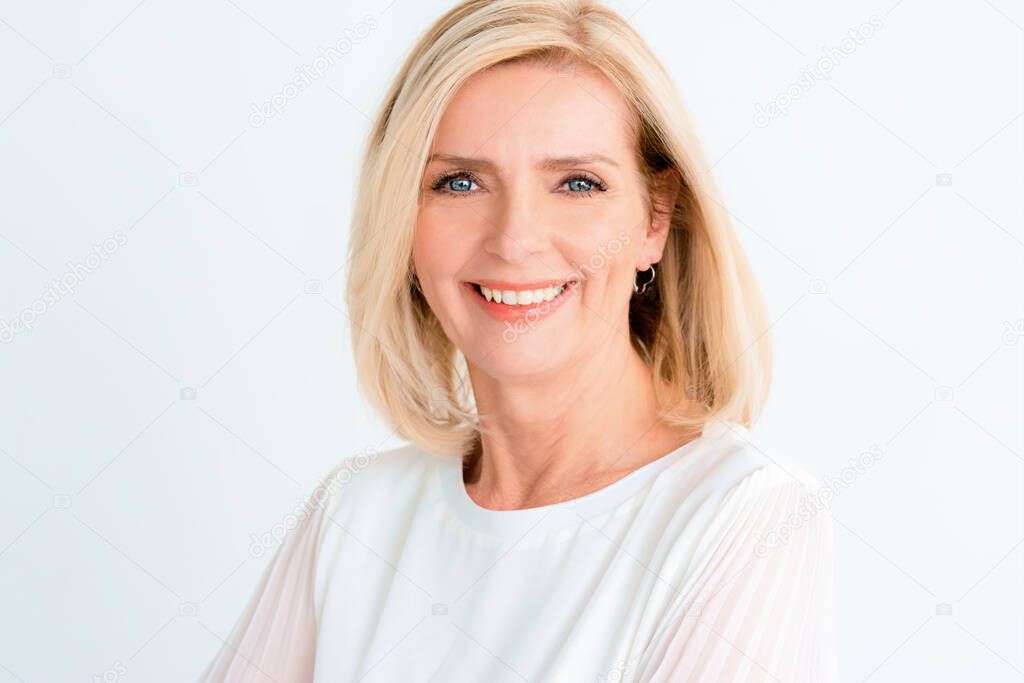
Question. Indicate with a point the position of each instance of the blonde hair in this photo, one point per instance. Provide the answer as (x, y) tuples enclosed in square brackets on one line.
[(703, 331)]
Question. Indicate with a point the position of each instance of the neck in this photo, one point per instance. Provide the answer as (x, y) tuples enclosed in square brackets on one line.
[(545, 440)]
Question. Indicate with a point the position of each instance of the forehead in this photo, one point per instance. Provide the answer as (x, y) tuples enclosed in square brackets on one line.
[(534, 110)]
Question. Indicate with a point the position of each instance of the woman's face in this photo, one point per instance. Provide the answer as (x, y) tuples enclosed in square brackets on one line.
[(532, 185)]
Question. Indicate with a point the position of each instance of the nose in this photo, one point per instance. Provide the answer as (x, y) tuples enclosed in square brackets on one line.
[(516, 231)]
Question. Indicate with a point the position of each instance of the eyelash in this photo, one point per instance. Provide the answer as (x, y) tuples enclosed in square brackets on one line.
[(440, 183)]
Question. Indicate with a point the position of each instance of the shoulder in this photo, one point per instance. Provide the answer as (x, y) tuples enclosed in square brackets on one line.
[(744, 486), (377, 478), (739, 465), (762, 552)]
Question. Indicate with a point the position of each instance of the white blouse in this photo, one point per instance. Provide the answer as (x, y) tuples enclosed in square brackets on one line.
[(712, 563)]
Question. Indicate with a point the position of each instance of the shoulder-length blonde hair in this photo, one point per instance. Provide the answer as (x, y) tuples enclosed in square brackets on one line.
[(704, 332)]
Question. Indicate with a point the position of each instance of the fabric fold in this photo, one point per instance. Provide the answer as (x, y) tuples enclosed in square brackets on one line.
[(761, 607), (274, 639)]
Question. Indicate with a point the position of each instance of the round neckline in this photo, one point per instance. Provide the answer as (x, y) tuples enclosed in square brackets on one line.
[(555, 515)]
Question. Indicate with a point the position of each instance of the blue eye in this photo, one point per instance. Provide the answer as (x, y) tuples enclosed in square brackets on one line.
[(455, 183), (587, 185), (584, 185), (459, 184), (463, 182)]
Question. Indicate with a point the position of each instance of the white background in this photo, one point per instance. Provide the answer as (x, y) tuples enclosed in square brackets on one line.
[(126, 511)]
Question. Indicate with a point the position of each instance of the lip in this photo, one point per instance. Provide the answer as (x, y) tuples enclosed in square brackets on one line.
[(533, 312), (517, 286)]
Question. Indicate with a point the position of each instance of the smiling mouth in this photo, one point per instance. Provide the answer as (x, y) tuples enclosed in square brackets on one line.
[(515, 298)]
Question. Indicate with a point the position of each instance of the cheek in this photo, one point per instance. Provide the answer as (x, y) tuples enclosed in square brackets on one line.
[(432, 245), (440, 252), (442, 229), (605, 253)]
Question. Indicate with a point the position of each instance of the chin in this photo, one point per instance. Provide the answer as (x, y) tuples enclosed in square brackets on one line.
[(530, 354)]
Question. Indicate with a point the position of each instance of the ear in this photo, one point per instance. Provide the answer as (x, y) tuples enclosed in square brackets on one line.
[(664, 194)]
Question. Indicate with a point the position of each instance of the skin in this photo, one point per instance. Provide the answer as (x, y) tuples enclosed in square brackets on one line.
[(541, 395)]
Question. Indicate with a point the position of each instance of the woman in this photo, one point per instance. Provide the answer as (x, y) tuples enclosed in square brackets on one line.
[(548, 302)]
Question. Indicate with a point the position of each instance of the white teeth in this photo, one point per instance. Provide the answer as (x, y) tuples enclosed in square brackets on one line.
[(524, 297)]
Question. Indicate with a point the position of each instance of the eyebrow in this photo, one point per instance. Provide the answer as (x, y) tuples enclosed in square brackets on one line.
[(544, 164)]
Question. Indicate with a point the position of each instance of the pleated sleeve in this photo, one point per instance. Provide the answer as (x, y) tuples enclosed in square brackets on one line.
[(759, 605), (274, 639)]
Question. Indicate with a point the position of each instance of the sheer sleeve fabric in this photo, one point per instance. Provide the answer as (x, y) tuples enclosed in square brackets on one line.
[(274, 639), (761, 605)]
